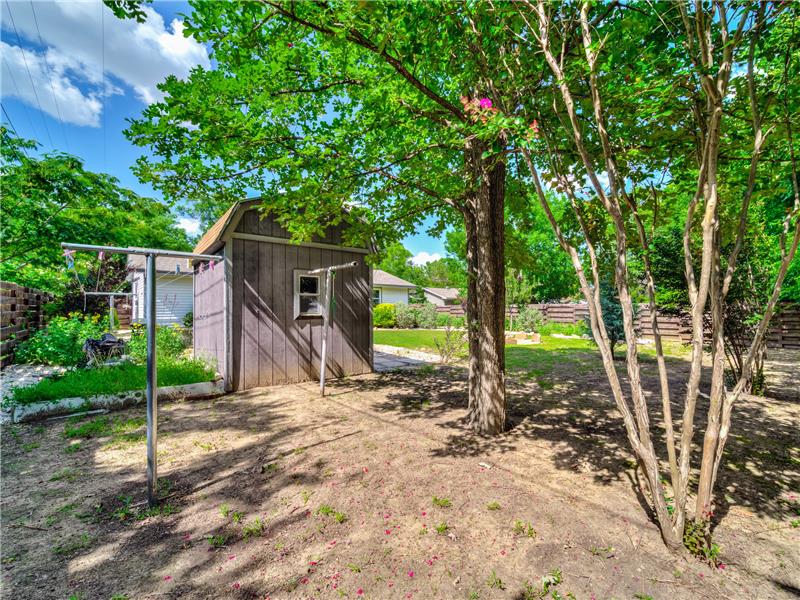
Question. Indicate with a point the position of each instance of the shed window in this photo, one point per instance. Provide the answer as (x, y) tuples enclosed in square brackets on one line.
[(376, 296), (308, 294)]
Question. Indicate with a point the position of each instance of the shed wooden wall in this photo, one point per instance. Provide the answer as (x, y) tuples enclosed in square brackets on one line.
[(209, 317), (269, 345)]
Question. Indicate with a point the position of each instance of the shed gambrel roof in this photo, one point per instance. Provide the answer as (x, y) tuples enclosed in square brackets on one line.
[(382, 278), (214, 234)]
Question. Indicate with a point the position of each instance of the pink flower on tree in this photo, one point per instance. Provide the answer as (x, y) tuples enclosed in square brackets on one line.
[(485, 103)]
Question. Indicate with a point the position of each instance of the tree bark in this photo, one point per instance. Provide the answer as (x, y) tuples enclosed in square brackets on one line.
[(485, 248)]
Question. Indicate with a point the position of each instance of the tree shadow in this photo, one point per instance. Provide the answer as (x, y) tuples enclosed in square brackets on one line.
[(563, 403)]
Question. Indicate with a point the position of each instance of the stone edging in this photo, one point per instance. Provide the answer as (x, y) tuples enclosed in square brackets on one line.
[(65, 406)]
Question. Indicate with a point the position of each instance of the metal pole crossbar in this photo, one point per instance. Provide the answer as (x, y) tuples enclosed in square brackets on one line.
[(326, 315), (151, 391)]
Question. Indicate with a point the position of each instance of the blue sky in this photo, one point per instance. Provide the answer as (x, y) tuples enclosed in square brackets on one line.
[(72, 73)]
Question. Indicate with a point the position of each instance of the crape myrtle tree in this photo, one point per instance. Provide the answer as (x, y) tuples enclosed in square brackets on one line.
[(658, 90), (389, 110)]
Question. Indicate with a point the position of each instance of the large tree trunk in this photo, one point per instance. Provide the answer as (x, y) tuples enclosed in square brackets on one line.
[(486, 289), (474, 378)]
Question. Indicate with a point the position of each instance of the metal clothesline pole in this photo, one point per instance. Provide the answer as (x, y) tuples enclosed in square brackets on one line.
[(111, 296), (326, 315), (151, 391)]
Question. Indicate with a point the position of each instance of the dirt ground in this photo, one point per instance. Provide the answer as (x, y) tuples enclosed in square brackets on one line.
[(557, 492)]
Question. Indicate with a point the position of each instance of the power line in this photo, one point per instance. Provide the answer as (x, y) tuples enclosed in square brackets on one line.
[(27, 68), (49, 76), (16, 88), (10, 122)]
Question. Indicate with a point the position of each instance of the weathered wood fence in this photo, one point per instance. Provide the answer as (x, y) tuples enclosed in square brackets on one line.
[(784, 330), (20, 315)]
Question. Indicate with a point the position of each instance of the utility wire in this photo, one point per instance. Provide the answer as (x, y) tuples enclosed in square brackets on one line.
[(27, 68), (10, 122), (16, 88), (50, 77)]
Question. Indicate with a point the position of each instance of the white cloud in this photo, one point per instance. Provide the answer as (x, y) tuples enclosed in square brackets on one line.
[(85, 40), (422, 258), (190, 226), (74, 106)]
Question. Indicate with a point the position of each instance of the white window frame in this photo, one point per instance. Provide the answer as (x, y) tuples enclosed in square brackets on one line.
[(320, 295), (380, 296)]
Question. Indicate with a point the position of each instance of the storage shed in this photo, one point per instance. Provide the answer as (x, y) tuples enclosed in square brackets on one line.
[(258, 313)]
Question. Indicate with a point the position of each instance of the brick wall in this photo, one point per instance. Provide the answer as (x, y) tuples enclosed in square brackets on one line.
[(20, 315)]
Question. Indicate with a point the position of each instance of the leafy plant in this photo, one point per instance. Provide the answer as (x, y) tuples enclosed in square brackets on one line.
[(524, 528), (494, 582), (329, 511), (383, 315), (451, 345), (253, 529), (441, 502), (426, 315), (698, 541), (60, 342), (405, 316), (170, 342), (442, 528), (188, 319), (217, 541), (530, 319)]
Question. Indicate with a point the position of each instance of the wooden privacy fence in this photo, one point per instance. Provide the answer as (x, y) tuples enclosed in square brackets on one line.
[(20, 315), (784, 330)]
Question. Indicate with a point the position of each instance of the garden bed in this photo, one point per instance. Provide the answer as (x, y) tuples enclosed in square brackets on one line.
[(110, 380)]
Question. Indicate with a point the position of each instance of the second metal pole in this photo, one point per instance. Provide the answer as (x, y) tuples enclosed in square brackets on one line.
[(151, 391), (325, 318)]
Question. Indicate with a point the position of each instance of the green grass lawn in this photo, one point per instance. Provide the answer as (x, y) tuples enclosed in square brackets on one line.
[(537, 361), (423, 339), (110, 380)]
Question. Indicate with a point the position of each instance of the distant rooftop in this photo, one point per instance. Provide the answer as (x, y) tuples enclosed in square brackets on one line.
[(383, 278), (444, 293), (164, 264)]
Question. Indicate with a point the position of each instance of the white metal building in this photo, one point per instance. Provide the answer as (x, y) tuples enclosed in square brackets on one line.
[(175, 292), (388, 289)]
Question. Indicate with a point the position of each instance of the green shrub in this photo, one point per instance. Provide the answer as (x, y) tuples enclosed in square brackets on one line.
[(383, 315), (188, 319), (406, 316), (549, 328), (530, 319), (61, 341), (426, 316), (445, 320), (170, 342), (612, 315)]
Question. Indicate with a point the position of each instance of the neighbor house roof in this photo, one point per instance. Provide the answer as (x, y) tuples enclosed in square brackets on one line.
[(444, 293), (382, 278), (164, 264)]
